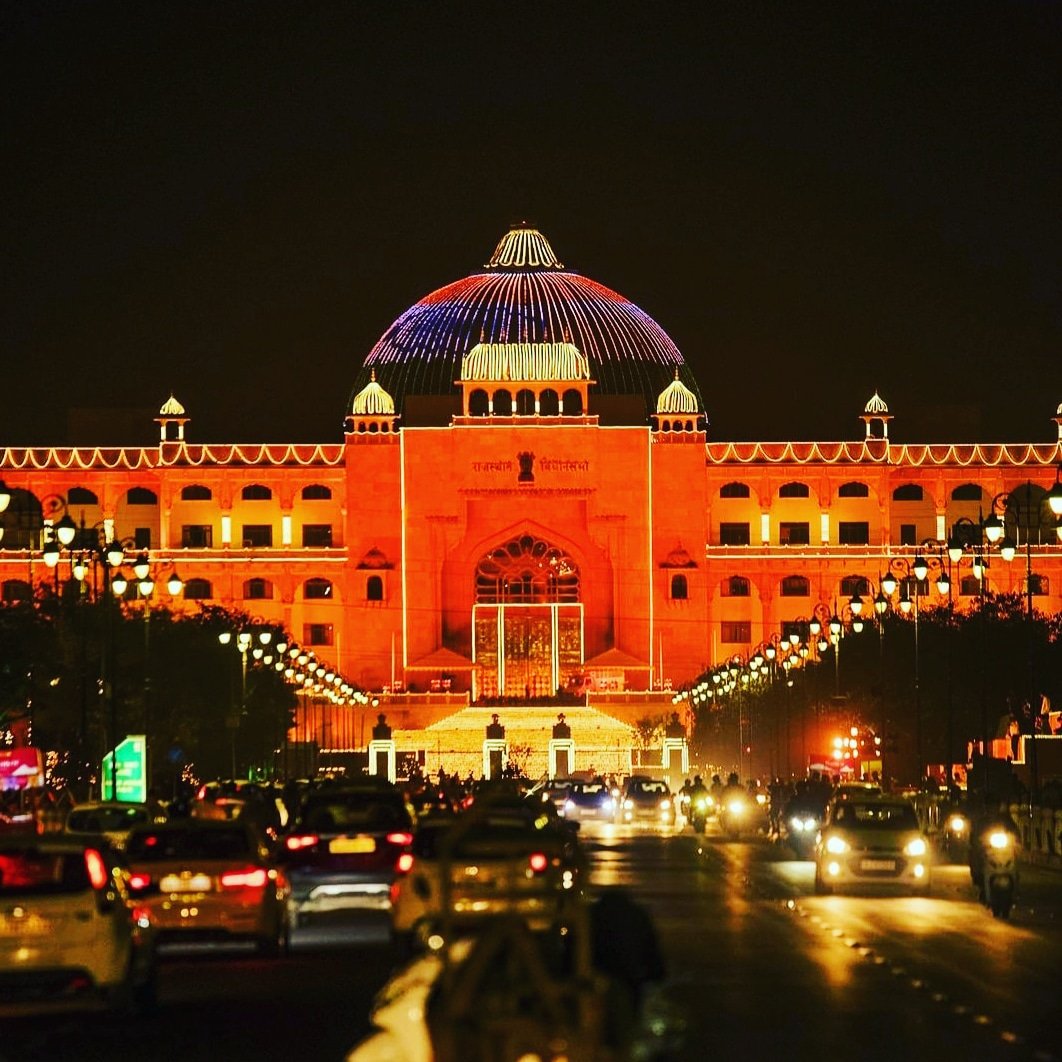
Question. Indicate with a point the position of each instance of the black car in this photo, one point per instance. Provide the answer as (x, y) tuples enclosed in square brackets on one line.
[(342, 849), (590, 801)]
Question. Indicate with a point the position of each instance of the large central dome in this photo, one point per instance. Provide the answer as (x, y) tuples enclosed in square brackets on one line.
[(524, 295)]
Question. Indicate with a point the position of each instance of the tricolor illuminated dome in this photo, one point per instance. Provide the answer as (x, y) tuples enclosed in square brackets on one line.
[(524, 294)]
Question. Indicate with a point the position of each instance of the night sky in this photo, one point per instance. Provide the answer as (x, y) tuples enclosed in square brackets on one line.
[(233, 201)]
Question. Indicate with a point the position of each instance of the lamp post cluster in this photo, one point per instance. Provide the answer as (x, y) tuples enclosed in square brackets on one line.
[(265, 647)]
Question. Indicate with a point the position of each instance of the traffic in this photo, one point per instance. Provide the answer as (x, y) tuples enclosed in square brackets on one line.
[(497, 913)]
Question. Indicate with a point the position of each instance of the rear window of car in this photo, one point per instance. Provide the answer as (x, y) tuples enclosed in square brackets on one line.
[(156, 846), (478, 843), (354, 811), (34, 873), (873, 816), (102, 820)]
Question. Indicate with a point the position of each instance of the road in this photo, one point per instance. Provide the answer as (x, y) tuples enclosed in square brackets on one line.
[(758, 967)]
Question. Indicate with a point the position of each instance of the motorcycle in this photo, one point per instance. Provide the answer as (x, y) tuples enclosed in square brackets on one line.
[(996, 872), (956, 837), (699, 807), (734, 814), (802, 829)]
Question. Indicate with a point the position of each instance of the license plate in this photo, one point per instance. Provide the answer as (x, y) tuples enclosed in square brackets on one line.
[(186, 883), (352, 845), (878, 864)]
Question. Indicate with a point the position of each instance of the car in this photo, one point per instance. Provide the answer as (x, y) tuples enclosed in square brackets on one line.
[(872, 841), (555, 791), (590, 801), (342, 849), (203, 880), (71, 934), (646, 799), (494, 860), (109, 822)]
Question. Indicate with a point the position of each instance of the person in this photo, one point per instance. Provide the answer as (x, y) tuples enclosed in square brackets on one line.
[(684, 797), (987, 813), (716, 789)]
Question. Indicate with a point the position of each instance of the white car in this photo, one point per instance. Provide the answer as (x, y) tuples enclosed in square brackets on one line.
[(874, 842), (70, 936)]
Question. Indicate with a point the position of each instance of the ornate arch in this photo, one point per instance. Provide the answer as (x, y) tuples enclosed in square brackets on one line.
[(526, 570)]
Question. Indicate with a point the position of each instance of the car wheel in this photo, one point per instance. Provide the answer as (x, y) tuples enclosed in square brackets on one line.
[(274, 945)]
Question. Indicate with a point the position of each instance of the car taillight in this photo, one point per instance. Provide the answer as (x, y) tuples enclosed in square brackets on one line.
[(97, 869), (244, 879), (139, 882), (400, 838), (301, 840), (404, 863), (538, 862)]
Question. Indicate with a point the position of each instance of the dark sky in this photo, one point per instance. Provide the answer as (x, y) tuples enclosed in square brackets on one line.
[(232, 201)]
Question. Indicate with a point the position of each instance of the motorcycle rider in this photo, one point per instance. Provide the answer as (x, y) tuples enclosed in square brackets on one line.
[(987, 814), (684, 797), (716, 790), (698, 802)]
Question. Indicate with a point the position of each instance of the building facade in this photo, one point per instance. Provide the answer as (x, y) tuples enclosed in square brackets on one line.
[(526, 500)]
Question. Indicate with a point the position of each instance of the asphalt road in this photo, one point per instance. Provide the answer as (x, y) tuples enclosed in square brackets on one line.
[(758, 968)]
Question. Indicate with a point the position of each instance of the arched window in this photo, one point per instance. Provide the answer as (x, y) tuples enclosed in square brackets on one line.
[(908, 492), (316, 492), (734, 490), (374, 588), (317, 589), (680, 588), (503, 404), (258, 590), (478, 403), (967, 492), (15, 590), (525, 403), (196, 492), (526, 569), (549, 403), (795, 586), (970, 586), (141, 496), (256, 492), (573, 403), (794, 490), (735, 586), (1039, 584), (81, 496), (854, 586), (197, 590), (853, 490)]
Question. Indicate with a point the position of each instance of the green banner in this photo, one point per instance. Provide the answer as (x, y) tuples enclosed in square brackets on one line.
[(131, 771)]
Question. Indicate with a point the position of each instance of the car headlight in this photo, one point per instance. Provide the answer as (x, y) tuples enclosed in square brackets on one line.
[(917, 847), (836, 845), (628, 804), (736, 807), (811, 824), (796, 824), (665, 804), (956, 824), (608, 804), (761, 798), (569, 805), (999, 839)]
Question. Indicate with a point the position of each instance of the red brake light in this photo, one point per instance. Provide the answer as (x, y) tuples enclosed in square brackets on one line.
[(301, 840), (139, 882), (405, 863), (538, 862), (97, 869), (244, 879), (400, 838)]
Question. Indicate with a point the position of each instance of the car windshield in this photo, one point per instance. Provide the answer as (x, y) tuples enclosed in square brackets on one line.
[(590, 788), (354, 811), (29, 872), (102, 820), (650, 788), (155, 846), (858, 815)]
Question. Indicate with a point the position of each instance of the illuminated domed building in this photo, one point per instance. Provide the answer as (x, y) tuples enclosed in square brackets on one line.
[(525, 502)]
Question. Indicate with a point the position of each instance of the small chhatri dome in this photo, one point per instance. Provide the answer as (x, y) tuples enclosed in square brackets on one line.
[(676, 398), (525, 362), (679, 558), (171, 408), (876, 405), (375, 559), (373, 401), (523, 247), (1058, 412)]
